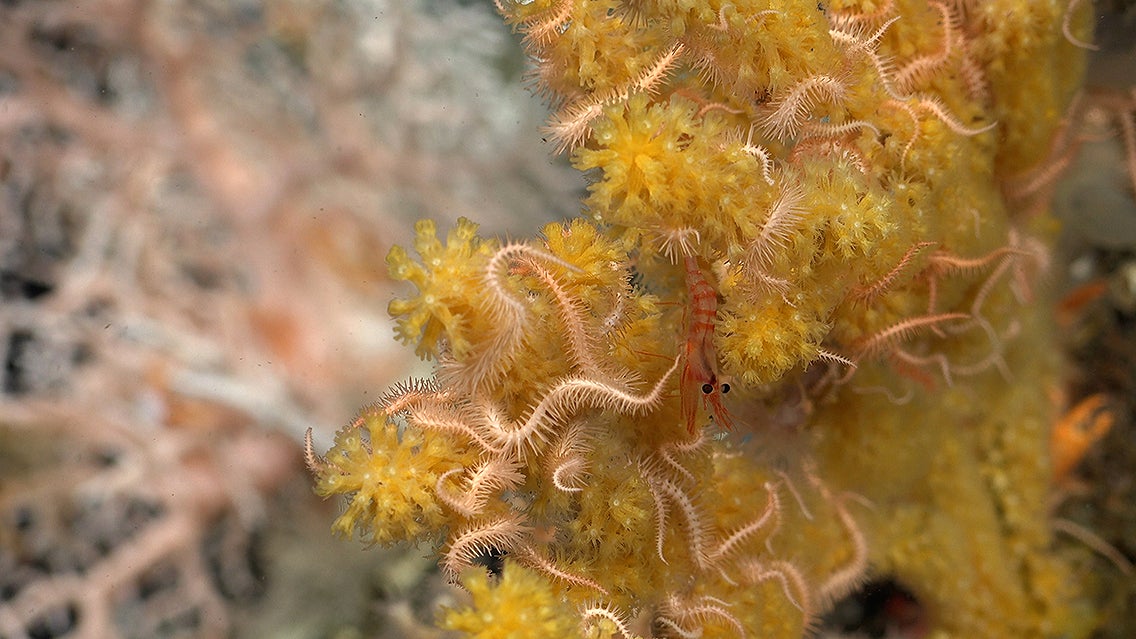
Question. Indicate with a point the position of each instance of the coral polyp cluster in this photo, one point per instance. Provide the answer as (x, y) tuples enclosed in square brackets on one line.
[(835, 175)]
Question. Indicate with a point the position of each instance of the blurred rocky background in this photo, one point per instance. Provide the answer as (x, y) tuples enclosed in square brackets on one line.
[(196, 200)]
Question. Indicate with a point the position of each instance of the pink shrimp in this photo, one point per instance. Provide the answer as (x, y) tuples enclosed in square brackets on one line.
[(700, 370)]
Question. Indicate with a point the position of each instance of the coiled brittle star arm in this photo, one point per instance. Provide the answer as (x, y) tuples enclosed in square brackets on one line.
[(565, 398)]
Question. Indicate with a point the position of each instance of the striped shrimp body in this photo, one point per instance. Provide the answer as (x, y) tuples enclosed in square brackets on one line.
[(700, 369)]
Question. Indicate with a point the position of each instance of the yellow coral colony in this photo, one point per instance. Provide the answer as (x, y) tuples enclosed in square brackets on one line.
[(839, 172)]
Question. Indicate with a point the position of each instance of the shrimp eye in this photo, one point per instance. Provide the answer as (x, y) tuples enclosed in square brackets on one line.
[(725, 388), (707, 389)]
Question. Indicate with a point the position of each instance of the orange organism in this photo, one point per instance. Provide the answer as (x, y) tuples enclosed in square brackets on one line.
[(1073, 305), (1076, 431), (700, 368)]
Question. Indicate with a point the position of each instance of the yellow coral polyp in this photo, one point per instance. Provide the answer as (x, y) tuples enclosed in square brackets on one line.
[(768, 340), (639, 153), (389, 480), (519, 605), (444, 309)]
